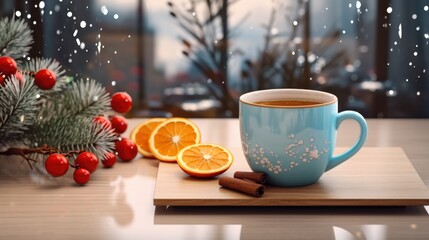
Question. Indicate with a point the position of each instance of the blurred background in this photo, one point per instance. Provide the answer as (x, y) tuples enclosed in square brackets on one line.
[(194, 58)]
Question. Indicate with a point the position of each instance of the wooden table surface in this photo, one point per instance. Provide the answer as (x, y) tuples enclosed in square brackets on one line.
[(118, 202)]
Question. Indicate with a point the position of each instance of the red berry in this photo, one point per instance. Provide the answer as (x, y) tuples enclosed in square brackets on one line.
[(45, 79), (119, 124), (81, 176), (102, 121), (127, 149), (121, 102), (109, 160), (87, 160), (7, 65), (56, 165), (20, 78)]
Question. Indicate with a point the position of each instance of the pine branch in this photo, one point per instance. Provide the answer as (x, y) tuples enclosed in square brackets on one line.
[(15, 38), (74, 134), (66, 120), (31, 154), (88, 97), (84, 98), (19, 106), (36, 123)]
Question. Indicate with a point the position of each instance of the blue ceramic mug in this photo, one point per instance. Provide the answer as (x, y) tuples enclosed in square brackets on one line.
[(293, 142)]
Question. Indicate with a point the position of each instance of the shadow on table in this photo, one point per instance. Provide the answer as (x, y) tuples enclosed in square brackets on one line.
[(307, 222)]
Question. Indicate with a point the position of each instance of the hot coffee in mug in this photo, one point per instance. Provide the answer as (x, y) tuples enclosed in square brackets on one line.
[(290, 134)]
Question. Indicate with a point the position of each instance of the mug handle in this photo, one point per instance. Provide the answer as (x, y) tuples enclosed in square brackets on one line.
[(336, 160)]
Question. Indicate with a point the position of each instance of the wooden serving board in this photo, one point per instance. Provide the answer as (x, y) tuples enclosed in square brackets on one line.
[(373, 177)]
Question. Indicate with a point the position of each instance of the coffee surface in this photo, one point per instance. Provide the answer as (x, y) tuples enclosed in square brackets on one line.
[(287, 103)]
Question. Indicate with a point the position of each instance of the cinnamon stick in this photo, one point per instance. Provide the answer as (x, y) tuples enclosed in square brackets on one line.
[(244, 186), (259, 177)]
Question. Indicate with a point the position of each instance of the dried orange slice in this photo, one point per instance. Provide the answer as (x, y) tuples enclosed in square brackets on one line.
[(141, 133), (171, 136), (204, 160)]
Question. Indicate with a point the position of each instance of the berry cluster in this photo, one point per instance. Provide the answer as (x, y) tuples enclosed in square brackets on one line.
[(86, 162), (45, 79), (126, 149), (57, 164)]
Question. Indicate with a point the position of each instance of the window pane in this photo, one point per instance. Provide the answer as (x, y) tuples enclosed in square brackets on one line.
[(195, 58)]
